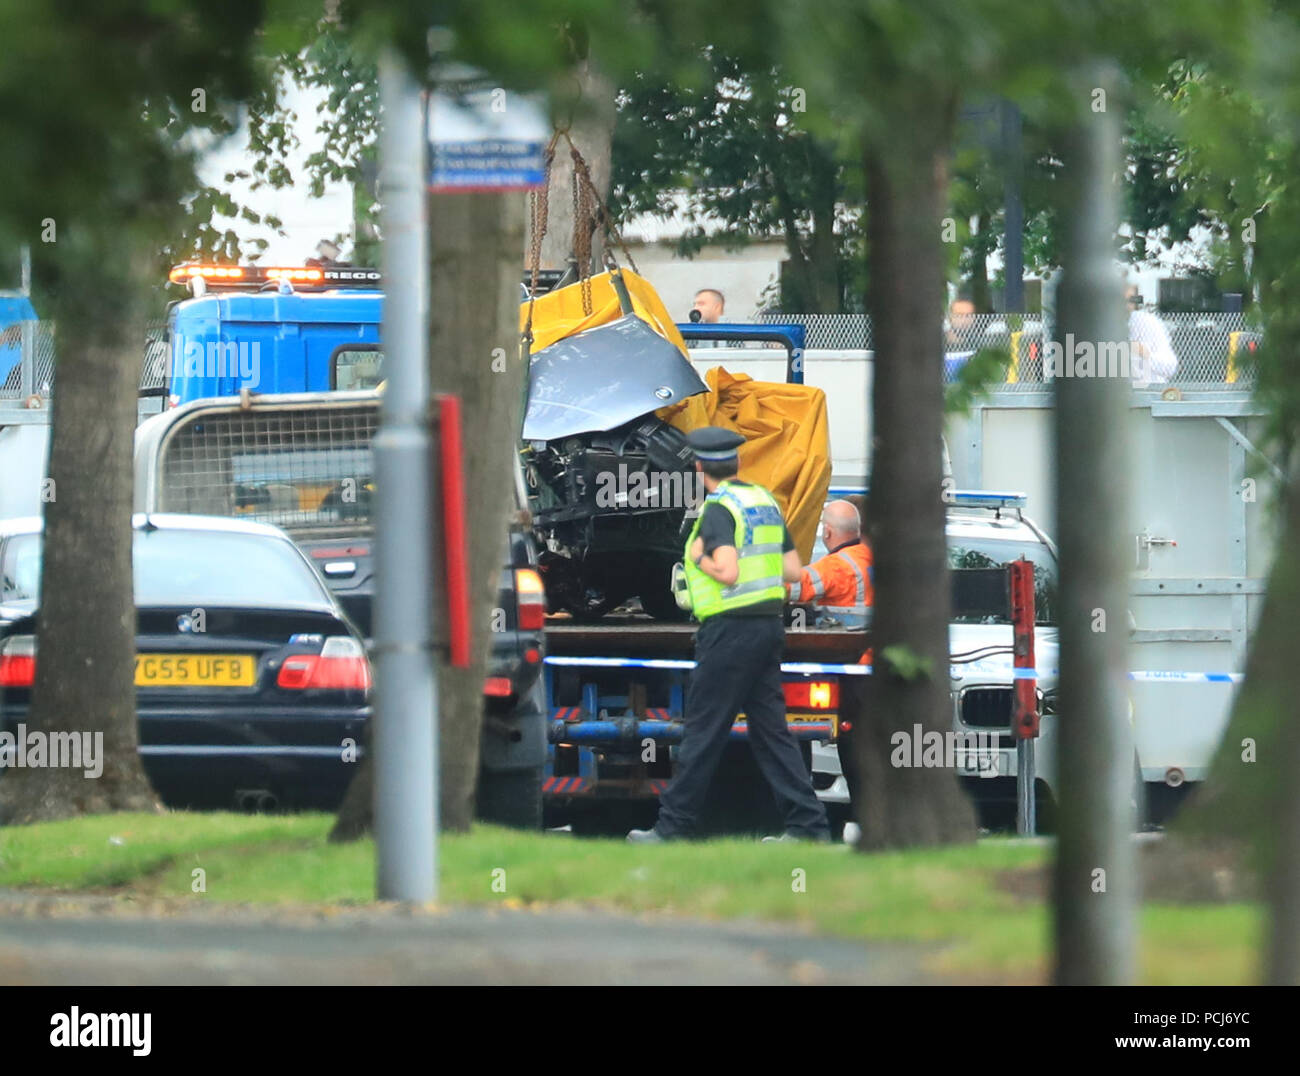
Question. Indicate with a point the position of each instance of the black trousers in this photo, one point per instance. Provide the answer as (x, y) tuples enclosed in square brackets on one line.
[(738, 668)]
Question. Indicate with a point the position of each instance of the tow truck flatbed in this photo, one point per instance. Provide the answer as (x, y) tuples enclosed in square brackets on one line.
[(642, 637)]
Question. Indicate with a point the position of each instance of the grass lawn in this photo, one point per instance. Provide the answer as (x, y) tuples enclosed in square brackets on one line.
[(979, 911)]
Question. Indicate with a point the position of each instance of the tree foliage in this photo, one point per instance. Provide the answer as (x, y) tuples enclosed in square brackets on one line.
[(727, 152)]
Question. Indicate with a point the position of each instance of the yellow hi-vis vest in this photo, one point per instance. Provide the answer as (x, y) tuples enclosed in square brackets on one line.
[(760, 531)]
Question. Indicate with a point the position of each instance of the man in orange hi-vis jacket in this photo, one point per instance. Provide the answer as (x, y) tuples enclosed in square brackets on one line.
[(840, 583)]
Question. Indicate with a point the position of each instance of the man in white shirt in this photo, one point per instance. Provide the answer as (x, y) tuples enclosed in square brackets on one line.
[(710, 303), (1152, 356)]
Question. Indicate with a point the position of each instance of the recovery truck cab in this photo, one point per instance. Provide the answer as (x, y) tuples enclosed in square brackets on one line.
[(271, 330)]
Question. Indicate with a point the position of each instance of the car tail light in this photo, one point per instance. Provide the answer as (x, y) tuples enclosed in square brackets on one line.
[(18, 661), (497, 686), (341, 665), (813, 695), (532, 599)]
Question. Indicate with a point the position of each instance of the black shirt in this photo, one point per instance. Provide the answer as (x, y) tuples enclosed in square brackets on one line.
[(718, 528)]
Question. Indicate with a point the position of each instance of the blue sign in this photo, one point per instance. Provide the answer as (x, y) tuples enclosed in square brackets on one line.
[(486, 140)]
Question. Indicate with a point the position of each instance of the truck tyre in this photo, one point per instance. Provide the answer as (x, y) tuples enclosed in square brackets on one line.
[(513, 798)]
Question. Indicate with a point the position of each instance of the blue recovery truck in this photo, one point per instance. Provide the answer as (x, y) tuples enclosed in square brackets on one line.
[(617, 694), (269, 330), (616, 678)]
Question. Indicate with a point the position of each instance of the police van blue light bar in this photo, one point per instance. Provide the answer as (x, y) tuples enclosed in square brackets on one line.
[(304, 276), (981, 498)]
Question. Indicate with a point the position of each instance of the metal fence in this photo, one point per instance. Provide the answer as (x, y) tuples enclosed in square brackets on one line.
[(27, 359), (1212, 350), (307, 468)]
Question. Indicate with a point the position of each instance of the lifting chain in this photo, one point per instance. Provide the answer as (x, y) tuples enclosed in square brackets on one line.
[(583, 223), (589, 213), (539, 200)]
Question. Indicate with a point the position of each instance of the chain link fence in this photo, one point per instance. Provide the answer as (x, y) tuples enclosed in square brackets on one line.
[(1209, 350), (22, 377), (1205, 351), (26, 360)]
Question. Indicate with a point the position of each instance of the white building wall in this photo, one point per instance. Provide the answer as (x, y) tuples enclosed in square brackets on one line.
[(740, 275)]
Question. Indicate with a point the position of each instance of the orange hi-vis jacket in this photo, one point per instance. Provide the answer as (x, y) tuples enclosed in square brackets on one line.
[(840, 584)]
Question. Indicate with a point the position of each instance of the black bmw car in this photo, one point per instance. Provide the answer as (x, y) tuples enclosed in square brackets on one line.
[(252, 685)]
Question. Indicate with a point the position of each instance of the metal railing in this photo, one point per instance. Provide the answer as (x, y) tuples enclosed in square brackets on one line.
[(1212, 349), (27, 360), (289, 460), (27, 366)]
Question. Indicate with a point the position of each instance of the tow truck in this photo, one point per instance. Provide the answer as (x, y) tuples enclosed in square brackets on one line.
[(611, 691)]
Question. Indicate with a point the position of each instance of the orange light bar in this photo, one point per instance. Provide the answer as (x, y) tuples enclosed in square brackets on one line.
[(307, 275), (182, 273), (235, 275)]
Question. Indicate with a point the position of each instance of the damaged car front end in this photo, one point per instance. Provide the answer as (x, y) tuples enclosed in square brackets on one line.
[(609, 483)]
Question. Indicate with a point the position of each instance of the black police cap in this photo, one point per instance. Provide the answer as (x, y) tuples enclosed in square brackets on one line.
[(714, 444)]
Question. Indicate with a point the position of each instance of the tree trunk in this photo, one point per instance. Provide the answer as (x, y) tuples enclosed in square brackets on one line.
[(902, 805), (1095, 876), (1268, 702), (980, 292), (823, 247), (475, 272), (1251, 797), (85, 681)]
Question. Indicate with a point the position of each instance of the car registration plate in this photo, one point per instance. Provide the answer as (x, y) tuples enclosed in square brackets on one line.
[(977, 763), (195, 670)]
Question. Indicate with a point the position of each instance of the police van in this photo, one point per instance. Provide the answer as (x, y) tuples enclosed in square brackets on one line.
[(986, 530)]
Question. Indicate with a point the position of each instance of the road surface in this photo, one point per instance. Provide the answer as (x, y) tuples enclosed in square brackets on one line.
[(100, 941)]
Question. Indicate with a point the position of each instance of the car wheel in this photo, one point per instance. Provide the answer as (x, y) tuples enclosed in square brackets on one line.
[(511, 799)]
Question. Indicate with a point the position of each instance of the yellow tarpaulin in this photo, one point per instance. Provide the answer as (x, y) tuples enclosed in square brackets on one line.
[(787, 441), (558, 314)]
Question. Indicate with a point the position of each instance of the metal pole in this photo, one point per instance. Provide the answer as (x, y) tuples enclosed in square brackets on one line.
[(27, 375), (1026, 819), (27, 355), (1014, 211), (1095, 876), (406, 712)]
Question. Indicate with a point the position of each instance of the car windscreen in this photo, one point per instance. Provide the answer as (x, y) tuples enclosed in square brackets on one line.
[(997, 553), (191, 568)]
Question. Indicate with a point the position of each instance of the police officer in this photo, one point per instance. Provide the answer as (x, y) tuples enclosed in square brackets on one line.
[(738, 557)]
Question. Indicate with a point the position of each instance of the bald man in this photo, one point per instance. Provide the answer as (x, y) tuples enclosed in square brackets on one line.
[(840, 584)]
